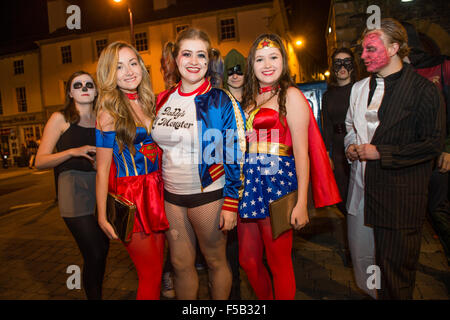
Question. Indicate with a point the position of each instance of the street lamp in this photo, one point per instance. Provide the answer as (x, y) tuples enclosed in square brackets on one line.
[(299, 43), (130, 13), (327, 73)]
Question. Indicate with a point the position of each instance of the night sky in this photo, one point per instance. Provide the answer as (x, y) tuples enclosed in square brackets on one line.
[(26, 20), (22, 19), (308, 19)]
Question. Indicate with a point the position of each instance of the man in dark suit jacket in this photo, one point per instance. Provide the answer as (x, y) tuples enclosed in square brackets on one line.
[(399, 156)]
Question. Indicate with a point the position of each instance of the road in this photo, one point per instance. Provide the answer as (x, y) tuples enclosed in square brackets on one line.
[(32, 189), (36, 250)]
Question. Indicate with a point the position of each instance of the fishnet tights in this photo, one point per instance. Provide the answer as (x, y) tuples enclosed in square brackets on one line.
[(187, 225)]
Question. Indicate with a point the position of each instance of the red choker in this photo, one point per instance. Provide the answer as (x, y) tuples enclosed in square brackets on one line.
[(268, 89), (132, 96)]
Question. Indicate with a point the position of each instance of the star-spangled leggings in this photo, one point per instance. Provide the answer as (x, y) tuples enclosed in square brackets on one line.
[(255, 235)]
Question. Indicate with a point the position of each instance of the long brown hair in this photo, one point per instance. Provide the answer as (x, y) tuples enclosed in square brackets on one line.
[(114, 101), (251, 83), (170, 52), (70, 111)]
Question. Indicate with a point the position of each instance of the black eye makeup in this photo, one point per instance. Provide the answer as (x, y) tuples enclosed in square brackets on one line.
[(235, 70), (79, 85), (346, 63)]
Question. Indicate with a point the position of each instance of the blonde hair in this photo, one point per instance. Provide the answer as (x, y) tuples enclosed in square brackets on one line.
[(395, 33), (113, 100)]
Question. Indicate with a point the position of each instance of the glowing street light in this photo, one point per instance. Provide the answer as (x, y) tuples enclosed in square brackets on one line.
[(327, 73), (299, 43), (130, 13)]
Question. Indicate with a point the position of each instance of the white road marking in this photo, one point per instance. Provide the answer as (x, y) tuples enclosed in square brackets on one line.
[(34, 204), (40, 172)]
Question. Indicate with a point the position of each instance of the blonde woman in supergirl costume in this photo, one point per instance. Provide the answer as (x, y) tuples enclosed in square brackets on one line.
[(129, 161)]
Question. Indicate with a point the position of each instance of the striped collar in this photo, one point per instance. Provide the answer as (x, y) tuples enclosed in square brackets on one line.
[(205, 87)]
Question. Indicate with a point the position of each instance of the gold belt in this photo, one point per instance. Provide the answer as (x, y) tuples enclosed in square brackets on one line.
[(274, 148)]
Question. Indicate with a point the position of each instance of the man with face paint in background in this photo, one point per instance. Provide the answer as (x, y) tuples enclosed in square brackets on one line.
[(334, 109), (394, 126)]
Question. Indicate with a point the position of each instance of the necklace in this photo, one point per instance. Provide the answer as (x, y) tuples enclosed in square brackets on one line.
[(132, 96), (268, 89)]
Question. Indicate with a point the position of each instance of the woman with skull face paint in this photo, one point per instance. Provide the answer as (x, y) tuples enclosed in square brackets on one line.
[(72, 132), (201, 131)]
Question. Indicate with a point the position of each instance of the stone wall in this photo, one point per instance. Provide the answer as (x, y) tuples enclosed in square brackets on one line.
[(347, 19)]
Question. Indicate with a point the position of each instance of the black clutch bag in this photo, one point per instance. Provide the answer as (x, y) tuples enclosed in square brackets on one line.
[(120, 213), (280, 213)]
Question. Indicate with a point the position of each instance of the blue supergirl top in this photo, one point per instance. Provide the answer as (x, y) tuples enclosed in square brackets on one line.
[(138, 178)]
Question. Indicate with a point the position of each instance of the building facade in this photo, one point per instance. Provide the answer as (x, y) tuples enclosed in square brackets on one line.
[(32, 87), (21, 117)]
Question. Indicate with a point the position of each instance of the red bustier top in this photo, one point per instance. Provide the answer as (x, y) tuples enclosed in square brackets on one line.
[(268, 127)]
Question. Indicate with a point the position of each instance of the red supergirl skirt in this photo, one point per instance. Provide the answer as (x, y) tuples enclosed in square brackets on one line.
[(147, 193)]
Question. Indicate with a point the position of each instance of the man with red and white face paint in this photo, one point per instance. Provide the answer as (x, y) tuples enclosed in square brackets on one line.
[(394, 125), (375, 54)]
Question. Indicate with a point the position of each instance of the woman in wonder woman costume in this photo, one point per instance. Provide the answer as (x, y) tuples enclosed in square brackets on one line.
[(129, 161), (281, 132)]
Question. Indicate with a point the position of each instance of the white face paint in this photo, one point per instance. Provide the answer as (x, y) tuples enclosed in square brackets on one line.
[(82, 89), (192, 61)]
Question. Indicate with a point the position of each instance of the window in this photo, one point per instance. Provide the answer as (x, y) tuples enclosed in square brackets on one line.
[(227, 29), (141, 41), (28, 133), (100, 44), (21, 99), (66, 54), (18, 67), (181, 27), (1, 104), (37, 132)]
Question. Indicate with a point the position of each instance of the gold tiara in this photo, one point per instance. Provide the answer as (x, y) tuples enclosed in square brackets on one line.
[(267, 43)]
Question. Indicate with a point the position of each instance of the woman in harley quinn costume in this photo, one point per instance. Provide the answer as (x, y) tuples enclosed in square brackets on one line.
[(280, 127), (201, 131), (128, 160)]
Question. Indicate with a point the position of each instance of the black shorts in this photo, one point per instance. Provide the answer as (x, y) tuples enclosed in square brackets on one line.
[(193, 200)]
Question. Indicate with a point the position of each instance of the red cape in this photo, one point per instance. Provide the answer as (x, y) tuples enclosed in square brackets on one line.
[(323, 184)]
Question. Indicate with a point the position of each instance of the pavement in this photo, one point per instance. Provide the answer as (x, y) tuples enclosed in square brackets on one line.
[(36, 251)]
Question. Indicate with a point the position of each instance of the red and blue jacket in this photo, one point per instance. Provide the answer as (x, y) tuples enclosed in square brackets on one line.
[(221, 125)]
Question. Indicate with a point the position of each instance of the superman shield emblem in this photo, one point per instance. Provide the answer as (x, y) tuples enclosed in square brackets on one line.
[(150, 151)]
